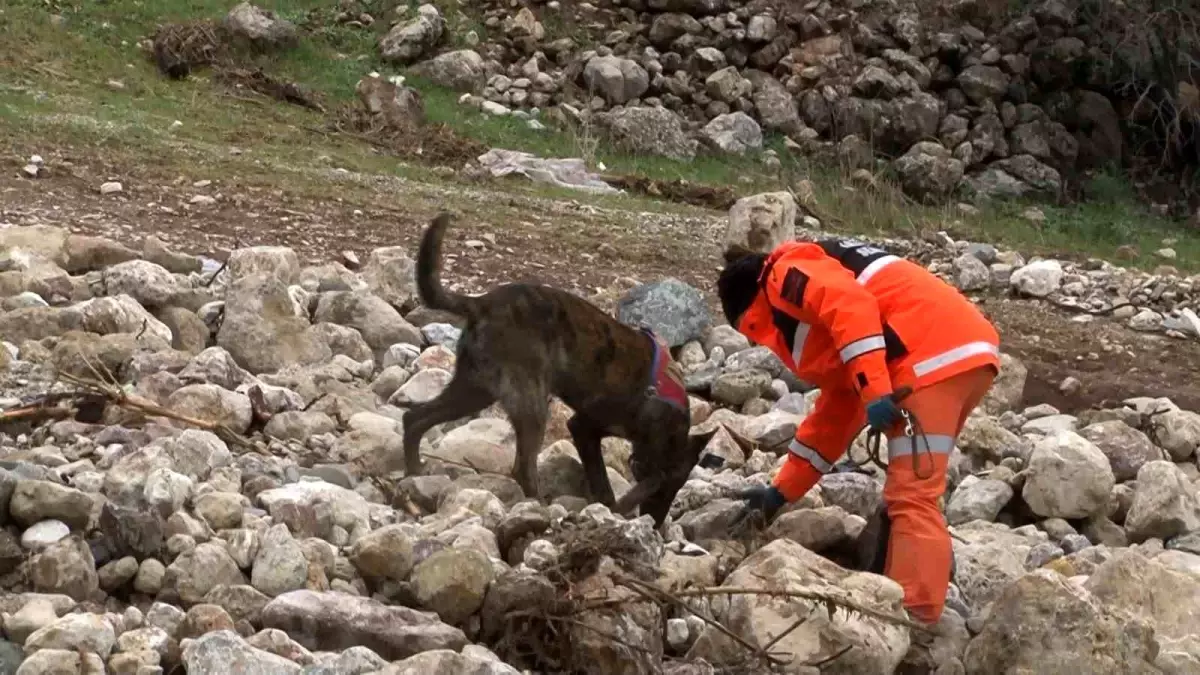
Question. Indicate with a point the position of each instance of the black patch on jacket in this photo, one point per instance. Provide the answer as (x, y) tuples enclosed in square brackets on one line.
[(794, 284)]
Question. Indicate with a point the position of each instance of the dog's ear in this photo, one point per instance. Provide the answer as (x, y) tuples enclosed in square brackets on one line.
[(736, 252)]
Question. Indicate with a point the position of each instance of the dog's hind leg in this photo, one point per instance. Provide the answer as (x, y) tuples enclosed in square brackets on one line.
[(587, 440), (460, 398), (528, 409)]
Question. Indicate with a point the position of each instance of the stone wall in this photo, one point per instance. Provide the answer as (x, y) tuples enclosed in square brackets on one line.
[(963, 95)]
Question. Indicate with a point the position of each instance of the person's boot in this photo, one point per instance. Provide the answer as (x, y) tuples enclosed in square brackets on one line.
[(872, 544)]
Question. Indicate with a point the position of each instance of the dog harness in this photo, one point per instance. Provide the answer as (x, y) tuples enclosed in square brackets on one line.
[(666, 379)]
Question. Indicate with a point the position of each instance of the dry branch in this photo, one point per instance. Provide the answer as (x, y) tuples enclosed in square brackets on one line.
[(117, 396)]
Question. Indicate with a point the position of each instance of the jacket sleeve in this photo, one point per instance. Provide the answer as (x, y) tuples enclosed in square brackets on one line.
[(821, 440), (848, 312)]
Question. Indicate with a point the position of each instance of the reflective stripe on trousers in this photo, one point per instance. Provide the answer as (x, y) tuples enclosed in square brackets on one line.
[(810, 455), (902, 446)]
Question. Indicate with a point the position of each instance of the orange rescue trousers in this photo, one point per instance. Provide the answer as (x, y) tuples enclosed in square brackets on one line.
[(919, 549)]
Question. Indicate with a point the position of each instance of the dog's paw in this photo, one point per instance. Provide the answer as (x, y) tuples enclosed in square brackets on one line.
[(415, 469)]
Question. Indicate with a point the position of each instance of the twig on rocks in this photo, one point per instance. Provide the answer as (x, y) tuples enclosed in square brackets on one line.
[(604, 634), (655, 594), (47, 407), (786, 632), (237, 243), (115, 395), (829, 601), (837, 655), (466, 464)]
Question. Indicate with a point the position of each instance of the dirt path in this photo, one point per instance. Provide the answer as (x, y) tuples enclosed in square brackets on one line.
[(517, 234)]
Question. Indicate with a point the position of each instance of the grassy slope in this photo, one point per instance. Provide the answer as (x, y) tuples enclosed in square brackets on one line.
[(55, 92)]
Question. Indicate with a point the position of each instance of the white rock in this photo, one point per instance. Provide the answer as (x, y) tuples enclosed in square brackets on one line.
[(76, 632), (1178, 431), (1068, 477), (281, 565), (1038, 279), (761, 222), (1165, 503), (486, 443), (32, 617), (677, 633), (422, 387), (223, 652), (977, 499), (43, 534), (786, 564)]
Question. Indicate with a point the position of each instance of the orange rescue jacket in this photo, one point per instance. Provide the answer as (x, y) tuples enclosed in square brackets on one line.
[(845, 315)]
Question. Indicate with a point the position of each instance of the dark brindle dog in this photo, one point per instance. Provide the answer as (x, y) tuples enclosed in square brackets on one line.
[(524, 342)]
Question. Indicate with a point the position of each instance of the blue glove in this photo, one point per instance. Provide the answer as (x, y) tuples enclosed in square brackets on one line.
[(883, 414), (766, 499)]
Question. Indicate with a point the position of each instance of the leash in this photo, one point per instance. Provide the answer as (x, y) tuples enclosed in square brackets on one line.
[(912, 430)]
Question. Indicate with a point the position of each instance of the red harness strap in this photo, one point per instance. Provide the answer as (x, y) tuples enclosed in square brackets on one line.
[(666, 380)]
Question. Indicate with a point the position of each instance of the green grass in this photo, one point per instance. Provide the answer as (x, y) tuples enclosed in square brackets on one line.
[(53, 90)]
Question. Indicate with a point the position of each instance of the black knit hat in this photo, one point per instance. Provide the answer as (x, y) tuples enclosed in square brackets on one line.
[(737, 284)]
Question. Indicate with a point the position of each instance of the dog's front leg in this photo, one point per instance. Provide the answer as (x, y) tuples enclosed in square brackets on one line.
[(414, 430), (587, 440)]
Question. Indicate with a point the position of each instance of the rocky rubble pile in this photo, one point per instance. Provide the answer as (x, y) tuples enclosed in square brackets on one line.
[(134, 545), (973, 96)]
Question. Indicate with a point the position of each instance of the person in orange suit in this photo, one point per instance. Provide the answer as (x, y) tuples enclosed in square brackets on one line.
[(861, 324)]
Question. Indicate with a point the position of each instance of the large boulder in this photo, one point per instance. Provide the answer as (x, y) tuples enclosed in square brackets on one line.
[(1127, 448), (409, 40), (1068, 477), (261, 330), (649, 131), (336, 621), (928, 171), (1043, 623), (878, 645), (761, 222), (675, 311), (260, 28), (224, 651), (616, 79), (735, 133), (775, 105), (1008, 388), (1165, 503), (378, 321), (453, 583), (988, 558), (1165, 598), (459, 70)]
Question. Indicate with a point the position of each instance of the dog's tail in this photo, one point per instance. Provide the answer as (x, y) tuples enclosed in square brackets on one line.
[(429, 263)]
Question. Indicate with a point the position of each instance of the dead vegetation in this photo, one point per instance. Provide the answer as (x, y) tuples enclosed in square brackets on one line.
[(180, 49), (432, 143), (681, 191), (600, 569)]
